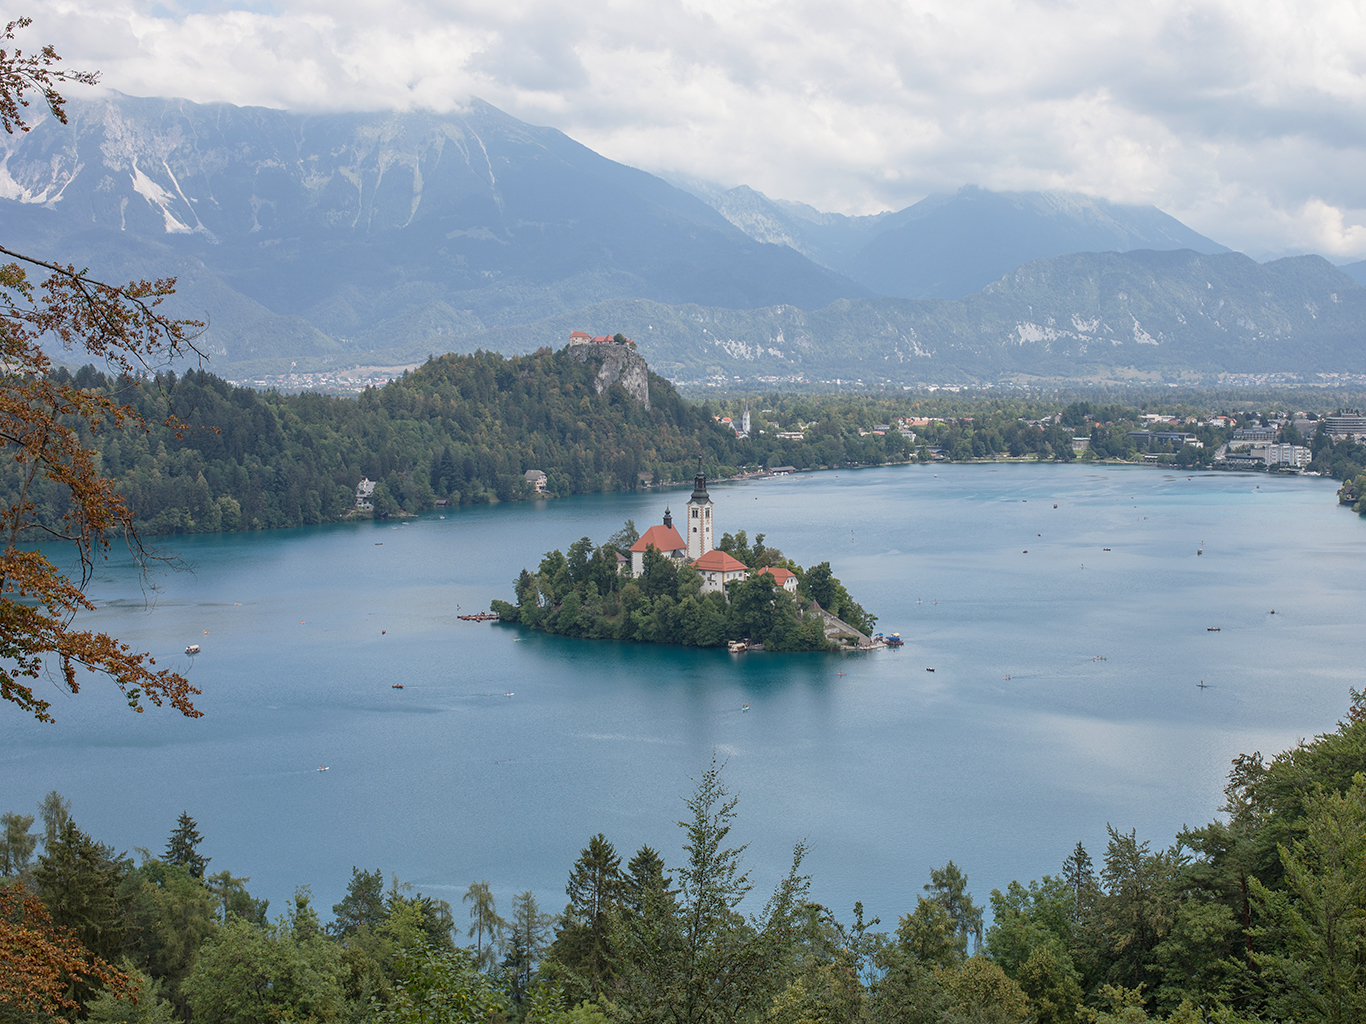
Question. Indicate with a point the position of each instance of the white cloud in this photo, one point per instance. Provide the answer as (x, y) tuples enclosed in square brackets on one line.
[(1242, 117)]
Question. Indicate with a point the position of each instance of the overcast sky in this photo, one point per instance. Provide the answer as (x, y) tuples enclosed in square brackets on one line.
[(1244, 118)]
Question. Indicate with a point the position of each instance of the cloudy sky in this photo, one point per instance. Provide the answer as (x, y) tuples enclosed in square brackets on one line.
[(1244, 118)]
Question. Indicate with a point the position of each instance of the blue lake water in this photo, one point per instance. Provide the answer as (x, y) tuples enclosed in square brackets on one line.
[(886, 769)]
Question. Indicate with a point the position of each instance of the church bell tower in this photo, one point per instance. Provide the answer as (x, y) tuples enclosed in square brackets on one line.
[(699, 517)]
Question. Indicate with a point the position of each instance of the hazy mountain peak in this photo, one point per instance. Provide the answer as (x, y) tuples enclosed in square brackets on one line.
[(373, 229)]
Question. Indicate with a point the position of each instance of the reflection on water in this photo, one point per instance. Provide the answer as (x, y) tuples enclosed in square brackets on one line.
[(1065, 693)]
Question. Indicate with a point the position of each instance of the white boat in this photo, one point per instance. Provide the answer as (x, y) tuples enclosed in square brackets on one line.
[(192, 649)]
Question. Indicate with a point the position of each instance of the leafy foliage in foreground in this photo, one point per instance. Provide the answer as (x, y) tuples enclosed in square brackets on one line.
[(1259, 915)]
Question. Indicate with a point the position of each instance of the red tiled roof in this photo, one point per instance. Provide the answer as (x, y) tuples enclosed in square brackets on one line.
[(579, 334), (779, 574), (665, 538), (717, 560), (602, 338)]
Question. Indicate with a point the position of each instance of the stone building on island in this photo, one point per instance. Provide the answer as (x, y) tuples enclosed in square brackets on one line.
[(717, 567)]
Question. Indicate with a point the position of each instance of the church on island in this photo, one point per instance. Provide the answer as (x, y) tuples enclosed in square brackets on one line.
[(716, 567)]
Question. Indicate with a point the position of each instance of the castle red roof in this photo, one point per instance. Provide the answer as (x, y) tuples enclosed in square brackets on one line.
[(579, 334), (665, 538), (779, 574), (717, 560)]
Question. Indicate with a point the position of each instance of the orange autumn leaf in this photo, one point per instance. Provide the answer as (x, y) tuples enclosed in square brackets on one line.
[(43, 419), (39, 960)]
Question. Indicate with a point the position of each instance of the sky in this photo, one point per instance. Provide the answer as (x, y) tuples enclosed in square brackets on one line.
[(1244, 118)]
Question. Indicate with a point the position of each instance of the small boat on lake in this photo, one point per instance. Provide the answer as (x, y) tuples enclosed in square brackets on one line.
[(1212, 629), (736, 646), (744, 707), (396, 686), (192, 650), (322, 767)]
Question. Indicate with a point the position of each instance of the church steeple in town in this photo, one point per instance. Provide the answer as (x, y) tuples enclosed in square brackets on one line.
[(699, 517)]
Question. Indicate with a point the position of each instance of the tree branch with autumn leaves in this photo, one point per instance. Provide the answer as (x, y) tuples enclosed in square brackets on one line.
[(42, 423)]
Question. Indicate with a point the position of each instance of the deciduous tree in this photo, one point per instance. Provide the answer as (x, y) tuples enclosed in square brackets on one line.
[(40, 961), (486, 927), (44, 420), (16, 843)]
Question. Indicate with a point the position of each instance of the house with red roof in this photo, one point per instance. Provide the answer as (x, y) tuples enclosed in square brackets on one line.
[(785, 578), (718, 569), (662, 537)]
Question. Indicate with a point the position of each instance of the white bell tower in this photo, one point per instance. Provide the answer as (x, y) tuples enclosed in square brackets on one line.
[(699, 517)]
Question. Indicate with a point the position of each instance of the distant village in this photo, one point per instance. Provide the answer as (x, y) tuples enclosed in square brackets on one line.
[(1256, 446)]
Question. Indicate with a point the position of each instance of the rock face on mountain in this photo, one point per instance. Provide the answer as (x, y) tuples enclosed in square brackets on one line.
[(354, 233), (621, 364)]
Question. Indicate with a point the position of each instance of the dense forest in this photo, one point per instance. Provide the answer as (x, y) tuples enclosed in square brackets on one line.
[(1259, 915), (466, 428), (584, 593)]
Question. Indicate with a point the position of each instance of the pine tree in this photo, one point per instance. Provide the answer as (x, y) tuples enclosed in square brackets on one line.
[(182, 847), (363, 905)]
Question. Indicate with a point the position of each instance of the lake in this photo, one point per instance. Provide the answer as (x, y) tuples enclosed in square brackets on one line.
[(1065, 611)]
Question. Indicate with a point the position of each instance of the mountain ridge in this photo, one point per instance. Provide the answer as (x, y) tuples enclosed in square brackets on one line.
[(361, 223), (1159, 312), (950, 245)]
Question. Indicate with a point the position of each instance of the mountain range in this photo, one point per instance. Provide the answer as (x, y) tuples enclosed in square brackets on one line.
[(328, 240), (1161, 314), (950, 246), (346, 234)]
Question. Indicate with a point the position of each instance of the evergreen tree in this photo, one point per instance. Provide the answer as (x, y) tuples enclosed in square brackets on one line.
[(527, 935), (79, 880), (1081, 878), (363, 905), (594, 888), (183, 846), (709, 964)]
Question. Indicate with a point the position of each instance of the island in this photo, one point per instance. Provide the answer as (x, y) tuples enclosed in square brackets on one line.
[(670, 587)]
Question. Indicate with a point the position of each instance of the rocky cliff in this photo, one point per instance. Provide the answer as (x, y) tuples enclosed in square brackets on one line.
[(621, 364)]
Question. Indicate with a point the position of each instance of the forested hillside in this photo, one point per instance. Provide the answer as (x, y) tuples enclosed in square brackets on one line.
[(463, 429), (1255, 916)]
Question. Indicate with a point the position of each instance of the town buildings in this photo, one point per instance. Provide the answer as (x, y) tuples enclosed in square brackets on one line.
[(1342, 427)]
